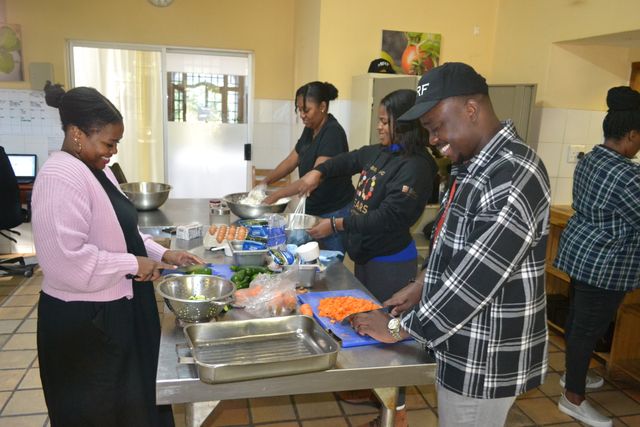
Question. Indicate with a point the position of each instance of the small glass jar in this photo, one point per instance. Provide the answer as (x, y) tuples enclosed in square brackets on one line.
[(218, 212)]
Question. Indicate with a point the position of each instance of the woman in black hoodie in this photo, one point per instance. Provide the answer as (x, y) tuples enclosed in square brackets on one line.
[(396, 180)]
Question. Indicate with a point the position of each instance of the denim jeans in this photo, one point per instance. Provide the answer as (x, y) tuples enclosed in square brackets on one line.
[(334, 241), (591, 309)]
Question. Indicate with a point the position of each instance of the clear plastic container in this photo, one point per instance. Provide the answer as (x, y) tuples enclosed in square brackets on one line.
[(218, 212)]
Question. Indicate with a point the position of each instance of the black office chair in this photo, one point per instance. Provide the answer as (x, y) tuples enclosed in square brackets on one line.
[(11, 215)]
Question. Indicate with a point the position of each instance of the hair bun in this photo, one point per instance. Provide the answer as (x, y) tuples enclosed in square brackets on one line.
[(53, 94), (623, 98), (332, 91)]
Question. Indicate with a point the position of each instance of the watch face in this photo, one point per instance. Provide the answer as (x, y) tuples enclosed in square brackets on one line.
[(394, 323)]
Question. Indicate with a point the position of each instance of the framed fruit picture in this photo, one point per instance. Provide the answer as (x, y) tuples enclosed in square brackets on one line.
[(409, 52), (10, 53)]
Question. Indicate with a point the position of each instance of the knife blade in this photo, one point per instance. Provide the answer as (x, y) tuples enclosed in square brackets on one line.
[(347, 319), (187, 269)]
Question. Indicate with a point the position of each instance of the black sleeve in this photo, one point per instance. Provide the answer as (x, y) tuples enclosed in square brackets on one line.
[(406, 194), (345, 164)]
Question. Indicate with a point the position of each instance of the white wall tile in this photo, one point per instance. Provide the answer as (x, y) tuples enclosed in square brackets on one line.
[(563, 191), (341, 109), (281, 136), (552, 187), (577, 126), (534, 127), (565, 169), (264, 158), (263, 110), (262, 135), (283, 111), (550, 153), (296, 131), (552, 125), (595, 136)]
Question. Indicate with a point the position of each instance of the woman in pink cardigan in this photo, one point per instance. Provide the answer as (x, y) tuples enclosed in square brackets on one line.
[(98, 330)]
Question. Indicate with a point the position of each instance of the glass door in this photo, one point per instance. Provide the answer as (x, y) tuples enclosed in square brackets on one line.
[(185, 113), (207, 122)]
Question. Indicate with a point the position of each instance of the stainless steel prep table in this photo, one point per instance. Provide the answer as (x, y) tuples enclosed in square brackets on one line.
[(381, 367)]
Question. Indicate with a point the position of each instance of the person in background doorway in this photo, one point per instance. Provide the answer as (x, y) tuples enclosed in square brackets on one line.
[(481, 305), (396, 180), (98, 330), (322, 138), (600, 247)]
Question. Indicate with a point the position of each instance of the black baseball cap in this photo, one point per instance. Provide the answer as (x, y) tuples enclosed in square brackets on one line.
[(381, 66), (445, 81)]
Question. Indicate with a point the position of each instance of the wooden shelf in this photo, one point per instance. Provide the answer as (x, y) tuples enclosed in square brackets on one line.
[(555, 327), (629, 367), (557, 273)]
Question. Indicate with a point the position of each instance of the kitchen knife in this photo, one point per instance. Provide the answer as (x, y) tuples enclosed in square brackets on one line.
[(187, 269)]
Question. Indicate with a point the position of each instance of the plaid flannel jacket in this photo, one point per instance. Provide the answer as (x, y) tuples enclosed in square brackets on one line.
[(483, 307), (601, 242)]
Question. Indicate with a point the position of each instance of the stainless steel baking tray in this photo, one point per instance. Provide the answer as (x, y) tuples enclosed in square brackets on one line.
[(260, 348)]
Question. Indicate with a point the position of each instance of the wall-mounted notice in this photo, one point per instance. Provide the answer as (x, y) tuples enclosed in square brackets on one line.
[(28, 124)]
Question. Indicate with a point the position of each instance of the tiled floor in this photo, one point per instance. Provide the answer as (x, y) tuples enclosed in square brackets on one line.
[(22, 403)]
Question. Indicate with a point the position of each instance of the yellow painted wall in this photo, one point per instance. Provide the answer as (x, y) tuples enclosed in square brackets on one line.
[(306, 42), (296, 41), (351, 33), (529, 48), (262, 26)]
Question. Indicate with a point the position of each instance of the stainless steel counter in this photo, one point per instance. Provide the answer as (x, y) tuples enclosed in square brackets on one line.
[(382, 367)]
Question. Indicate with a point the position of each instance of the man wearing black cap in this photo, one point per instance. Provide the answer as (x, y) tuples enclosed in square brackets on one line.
[(480, 305)]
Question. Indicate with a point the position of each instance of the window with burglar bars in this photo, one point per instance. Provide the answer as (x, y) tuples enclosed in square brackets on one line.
[(217, 98)]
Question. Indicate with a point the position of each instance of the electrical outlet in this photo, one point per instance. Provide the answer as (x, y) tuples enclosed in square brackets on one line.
[(575, 152)]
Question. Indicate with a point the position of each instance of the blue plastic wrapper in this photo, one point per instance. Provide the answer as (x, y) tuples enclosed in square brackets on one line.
[(249, 245), (281, 257), (257, 231)]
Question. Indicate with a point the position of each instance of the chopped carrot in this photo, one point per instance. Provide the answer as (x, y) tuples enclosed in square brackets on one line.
[(337, 308), (306, 310)]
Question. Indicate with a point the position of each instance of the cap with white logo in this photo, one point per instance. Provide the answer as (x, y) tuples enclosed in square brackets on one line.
[(445, 81)]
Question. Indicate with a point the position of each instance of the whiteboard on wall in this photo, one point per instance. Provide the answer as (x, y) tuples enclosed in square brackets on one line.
[(28, 125)]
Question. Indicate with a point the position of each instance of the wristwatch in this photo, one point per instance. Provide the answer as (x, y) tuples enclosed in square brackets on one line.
[(394, 328)]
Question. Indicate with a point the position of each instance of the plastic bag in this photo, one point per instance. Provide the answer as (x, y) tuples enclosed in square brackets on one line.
[(270, 295)]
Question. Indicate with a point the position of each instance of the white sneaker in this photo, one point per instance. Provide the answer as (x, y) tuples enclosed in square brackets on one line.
[(584, 412), (592, 381)]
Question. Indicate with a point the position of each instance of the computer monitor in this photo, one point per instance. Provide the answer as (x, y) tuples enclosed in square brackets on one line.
[(24, 166)]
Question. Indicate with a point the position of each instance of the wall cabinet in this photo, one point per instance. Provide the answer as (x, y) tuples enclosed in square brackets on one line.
[(625, 347)]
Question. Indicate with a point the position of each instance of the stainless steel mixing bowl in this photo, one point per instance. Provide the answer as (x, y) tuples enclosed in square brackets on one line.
[(176, 291), (297, 227), (252, 211), (146, 196)]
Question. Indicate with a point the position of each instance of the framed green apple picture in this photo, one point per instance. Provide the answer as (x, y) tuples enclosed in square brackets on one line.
[(10, 53)]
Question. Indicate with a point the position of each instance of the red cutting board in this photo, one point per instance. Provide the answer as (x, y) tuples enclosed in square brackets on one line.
[(346, 333)]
